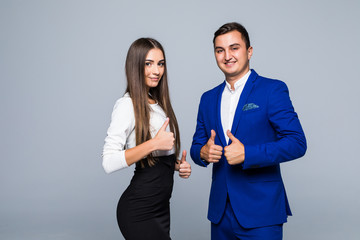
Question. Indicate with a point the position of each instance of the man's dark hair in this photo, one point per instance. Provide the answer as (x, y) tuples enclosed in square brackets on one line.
[(233, 26)]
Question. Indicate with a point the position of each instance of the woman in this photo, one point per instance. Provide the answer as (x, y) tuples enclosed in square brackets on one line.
[(144, 131)]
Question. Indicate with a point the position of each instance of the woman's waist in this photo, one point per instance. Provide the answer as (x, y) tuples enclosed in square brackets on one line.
[(163, 180), (159, 174)]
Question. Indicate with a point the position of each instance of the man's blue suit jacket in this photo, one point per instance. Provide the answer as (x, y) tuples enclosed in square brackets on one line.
[(266, 123)]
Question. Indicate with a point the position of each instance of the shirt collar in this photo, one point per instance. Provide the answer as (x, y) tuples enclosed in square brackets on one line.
[(239, 82)]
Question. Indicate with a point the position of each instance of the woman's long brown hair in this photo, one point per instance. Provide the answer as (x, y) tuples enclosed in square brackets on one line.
[(135, 75)]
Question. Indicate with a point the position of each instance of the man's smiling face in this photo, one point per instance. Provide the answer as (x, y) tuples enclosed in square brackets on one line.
[(231, 55)]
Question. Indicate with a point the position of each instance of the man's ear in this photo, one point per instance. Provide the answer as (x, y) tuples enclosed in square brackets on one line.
[(250, 52)]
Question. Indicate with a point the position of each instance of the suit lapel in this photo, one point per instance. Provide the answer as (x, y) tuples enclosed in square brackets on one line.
[(243, 98), (219, 130)]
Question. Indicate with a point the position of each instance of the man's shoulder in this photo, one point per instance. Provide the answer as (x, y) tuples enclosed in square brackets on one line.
[(268, 82)]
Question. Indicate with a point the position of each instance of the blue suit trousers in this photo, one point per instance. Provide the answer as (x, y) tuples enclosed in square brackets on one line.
[(229, 229)]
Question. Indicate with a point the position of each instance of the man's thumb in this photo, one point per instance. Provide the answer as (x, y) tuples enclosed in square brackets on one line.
[(231, 136), (213, 134)]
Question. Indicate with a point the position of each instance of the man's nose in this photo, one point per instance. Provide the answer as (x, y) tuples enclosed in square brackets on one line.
[(228, 56)]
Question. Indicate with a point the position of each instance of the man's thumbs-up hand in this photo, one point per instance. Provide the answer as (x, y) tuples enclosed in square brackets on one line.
[(235, 152), (211, 152), (185, 167), (164, 140)]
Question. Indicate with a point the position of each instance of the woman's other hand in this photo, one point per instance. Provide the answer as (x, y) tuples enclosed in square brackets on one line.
[(184, 167)]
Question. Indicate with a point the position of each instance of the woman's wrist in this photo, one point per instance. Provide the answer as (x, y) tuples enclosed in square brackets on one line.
[(152, 145)]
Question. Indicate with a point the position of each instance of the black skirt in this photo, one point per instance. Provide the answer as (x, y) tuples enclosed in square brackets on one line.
[(143, 210)]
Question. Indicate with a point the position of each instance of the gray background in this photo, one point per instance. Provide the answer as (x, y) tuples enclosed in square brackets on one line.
[(61, 71)]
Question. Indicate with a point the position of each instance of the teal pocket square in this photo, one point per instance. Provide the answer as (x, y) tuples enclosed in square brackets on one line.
[(249, 106)]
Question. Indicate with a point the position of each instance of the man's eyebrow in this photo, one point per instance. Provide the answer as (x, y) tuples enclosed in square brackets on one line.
[(232, 45)]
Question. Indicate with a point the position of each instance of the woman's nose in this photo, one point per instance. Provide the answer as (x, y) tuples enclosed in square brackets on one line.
[(155, 70)]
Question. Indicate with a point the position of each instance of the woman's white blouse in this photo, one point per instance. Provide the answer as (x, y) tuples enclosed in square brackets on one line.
[(121, 133)]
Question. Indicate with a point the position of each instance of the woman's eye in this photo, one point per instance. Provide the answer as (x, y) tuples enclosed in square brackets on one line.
[(148, 64), (161, 64)]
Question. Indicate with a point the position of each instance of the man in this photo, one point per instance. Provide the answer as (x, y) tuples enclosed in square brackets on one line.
[(246, 127)]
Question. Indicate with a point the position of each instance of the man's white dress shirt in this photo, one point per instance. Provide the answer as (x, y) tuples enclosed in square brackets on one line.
[(229, 102)]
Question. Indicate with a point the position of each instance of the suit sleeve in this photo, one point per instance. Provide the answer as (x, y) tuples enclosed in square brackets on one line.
[(290, 143), (200, 137)]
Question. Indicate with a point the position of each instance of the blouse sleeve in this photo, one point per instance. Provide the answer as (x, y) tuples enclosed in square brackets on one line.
[(121, 126)]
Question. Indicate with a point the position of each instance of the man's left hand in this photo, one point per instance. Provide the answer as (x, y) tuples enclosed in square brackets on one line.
[(235, 152)]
